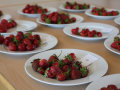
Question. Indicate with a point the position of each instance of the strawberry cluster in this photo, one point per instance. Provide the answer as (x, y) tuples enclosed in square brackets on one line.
[(116, 43), (1, 13), (57, 18), (103, 12), (6, 25), (86, 32), (34, 9), (76, 6), (21, 42), (110, 87), (67, 68)]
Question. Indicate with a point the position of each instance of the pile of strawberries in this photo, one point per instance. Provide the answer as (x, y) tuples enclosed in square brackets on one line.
[(110, 87), (57, 18), (1, 13), (67, 68), (6, 25), (103, 12), (21, 42), (76, 6), (86, 32), (34, 9), (116, 43)]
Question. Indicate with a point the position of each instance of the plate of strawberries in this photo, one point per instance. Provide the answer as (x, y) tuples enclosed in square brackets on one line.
[(117, 20), (109, 82), (22, 43), (102, 13), (113, 44), (59, 20), (34, 11), (11, 25), (74, 7), (65, 67), (4, 16), (90, 31)]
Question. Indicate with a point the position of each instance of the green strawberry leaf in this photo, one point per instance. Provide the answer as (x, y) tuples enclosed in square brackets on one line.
[(61, 63), (66, 20), (69, 57), (48, 20), (65, 5), (45, 75), (77, 7), (68, 73), (84, 71)]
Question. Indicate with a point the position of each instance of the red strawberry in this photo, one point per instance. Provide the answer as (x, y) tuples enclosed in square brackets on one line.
[(61, 77), (27, 41), (3, 28), (7, 40), (43, 17), (75, 74), (40, 70), (43, 63), (30, 47), (99, 34), (49, 74), (55, 70), (75, 31), (112, 87), (36, 43), (52, 59), (36, 36), (66, 61), (22, 47), (65, 68), (35, 64), (1, 39), (12, 46), (90, 34), (115, 44)]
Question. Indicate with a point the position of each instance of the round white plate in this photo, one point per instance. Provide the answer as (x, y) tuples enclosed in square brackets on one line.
[(50, 10), (107, 30), (22, 25), (72, 10), (88, 12), (5, 16), (78, 20), (117, 20), (96, 70), (48, 42), (108, 43), (104, 82)]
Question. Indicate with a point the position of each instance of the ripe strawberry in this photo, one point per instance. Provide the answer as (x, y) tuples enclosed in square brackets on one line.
[(1, 39), (65, 68), (36, 43), (66, 61), (3, 28), (52, 59), (27, 41), (35, 64), (75, 74), (115, 44), (75, 31), (7, 40), (12, 46), (22, 47), (55, 70), (61, 77), (30, 47), (49, 74), (90, 34), (99, 34), (36, 36), (40, 70), (112, 87), (43, 63), (71, 57), (43, 17)]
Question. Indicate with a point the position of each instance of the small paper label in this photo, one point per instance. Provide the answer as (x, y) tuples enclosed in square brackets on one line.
[(88, 59)]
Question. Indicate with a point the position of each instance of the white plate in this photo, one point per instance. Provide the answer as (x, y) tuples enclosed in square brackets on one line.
[(107, 30), (97, 69), (50, 10), (72, 10), (5, 16), (22, 25), (48, 42), (117, 20), (104, 82), (78, 20), (108, 43), (88, 12)]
